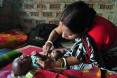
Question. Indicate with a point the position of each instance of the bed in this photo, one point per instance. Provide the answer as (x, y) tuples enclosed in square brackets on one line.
[(94, 72)]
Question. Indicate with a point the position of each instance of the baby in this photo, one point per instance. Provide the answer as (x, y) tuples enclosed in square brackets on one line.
[(24, 63)]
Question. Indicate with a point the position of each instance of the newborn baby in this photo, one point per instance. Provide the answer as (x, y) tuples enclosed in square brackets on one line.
[(24, 63)]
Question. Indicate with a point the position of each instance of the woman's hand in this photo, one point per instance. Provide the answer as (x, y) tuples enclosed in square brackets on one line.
[(47, 47), (34, 53)]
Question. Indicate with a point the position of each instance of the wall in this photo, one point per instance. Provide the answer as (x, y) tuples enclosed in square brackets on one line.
[(8, 15), (32, 12)]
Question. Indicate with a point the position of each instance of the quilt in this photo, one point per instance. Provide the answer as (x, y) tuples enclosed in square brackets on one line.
[(94, 72)]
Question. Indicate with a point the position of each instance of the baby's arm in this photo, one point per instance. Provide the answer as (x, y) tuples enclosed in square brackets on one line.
[(40, 55)]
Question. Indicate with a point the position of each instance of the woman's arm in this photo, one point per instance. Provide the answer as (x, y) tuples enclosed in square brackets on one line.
[(52, 37), (69, 61), (59, 64), (54, 34)]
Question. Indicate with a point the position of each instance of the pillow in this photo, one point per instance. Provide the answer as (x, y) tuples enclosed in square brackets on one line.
[(12, 39), (8, 57)]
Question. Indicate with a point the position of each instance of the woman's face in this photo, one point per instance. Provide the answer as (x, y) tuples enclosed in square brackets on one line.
[(67, 33)]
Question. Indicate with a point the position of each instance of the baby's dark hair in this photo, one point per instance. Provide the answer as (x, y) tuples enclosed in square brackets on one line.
[(78, 16)]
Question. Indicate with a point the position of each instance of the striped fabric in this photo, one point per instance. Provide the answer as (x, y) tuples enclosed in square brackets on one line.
[(84, 51), (4, 50), (8, 57)]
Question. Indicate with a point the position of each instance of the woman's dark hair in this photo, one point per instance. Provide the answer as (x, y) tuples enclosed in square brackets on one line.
[(78, 16)]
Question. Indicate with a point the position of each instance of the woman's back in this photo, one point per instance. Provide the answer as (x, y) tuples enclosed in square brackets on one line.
[(104, 33)]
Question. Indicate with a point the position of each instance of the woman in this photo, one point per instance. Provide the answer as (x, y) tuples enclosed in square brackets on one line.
[(94, 35)]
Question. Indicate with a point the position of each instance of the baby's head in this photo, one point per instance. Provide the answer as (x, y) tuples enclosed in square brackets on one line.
[(56, 54), (21, 65)]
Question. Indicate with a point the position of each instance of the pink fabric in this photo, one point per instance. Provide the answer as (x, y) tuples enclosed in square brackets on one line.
[(2, 39), (6, 71), (47, 74), (92, 73), (73, 73), (8, 67), (113, 76), (29, 48), (5, 74)]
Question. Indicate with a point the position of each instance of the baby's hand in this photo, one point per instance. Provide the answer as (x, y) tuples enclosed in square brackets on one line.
[(34, 53), (40, 55)]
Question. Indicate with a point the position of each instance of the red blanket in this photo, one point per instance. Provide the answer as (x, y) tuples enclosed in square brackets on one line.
[(92, 73)]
